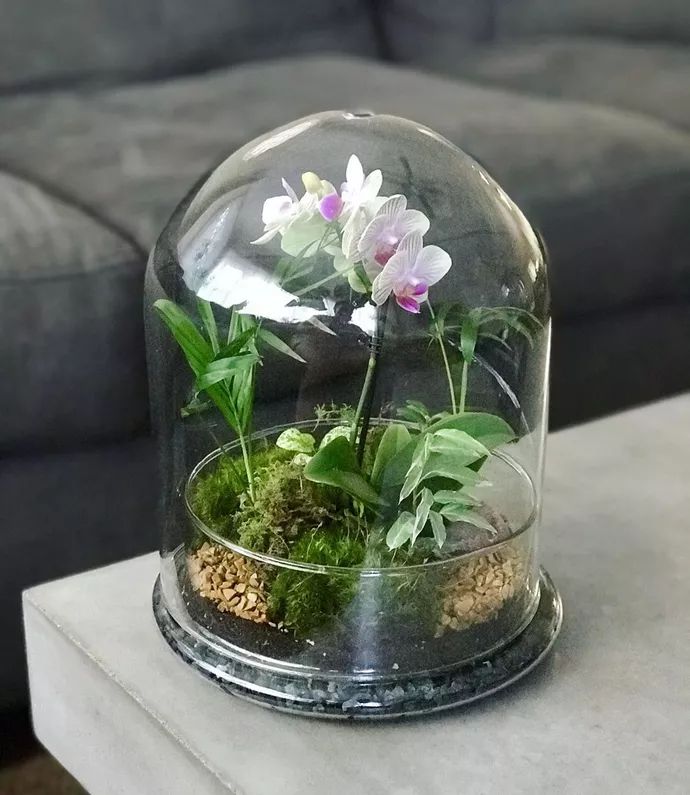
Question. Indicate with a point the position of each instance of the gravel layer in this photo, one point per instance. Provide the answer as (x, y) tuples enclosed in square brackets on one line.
[(394, 696)]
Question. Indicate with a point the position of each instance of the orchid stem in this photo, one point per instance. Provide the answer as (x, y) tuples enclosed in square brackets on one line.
[(366, 398), (446, 363)]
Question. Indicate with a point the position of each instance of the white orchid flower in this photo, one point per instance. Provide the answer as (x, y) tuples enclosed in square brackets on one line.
[(381, 238), (278, 213), (410, 272), (359, 192)]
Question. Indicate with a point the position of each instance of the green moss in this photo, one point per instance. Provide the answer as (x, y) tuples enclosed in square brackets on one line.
[(216, 495), (407, 597), (286, 506), (305, 601)]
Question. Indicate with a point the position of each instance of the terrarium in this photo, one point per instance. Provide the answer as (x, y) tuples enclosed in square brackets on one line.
[(348, 340)]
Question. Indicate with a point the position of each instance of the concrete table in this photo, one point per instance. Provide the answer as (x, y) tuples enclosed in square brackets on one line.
[(609, 712)]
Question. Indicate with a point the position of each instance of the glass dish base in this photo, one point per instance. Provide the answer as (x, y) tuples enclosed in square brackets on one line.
[(395, 697)]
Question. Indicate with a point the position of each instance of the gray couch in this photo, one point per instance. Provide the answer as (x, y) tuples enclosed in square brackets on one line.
[(112, 108)]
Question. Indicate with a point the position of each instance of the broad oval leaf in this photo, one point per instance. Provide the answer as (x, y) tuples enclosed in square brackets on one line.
[(488, 429), (393, 441), (453, 440), (336, 465), (458, 514), (400, 531), (295, 440)]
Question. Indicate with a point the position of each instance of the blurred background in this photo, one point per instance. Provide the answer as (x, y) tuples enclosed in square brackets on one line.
[(111, 109)]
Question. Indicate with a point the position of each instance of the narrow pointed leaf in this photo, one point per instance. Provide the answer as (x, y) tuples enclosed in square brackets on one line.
[(438, 527), (422, 513), (275, 342), (196, 349), (208, 318), (223, 369)]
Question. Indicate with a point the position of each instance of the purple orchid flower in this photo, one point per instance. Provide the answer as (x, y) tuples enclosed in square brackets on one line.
[(381, 238), (331, 206), (410, 272)]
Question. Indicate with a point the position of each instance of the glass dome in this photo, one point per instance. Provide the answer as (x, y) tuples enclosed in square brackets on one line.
[(348, 337)]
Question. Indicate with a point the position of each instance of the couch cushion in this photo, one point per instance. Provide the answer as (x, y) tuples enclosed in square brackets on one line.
[(109, 40), (434, 32), (640, 19), (647, 78), (610, 191), (70, 324), (62, 514)]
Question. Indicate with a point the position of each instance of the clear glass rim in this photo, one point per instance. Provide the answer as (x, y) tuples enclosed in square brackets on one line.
[(362, 571)]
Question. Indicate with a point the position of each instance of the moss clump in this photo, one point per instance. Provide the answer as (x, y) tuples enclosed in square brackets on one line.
[(304, 601), (216, 496), (287, 506)]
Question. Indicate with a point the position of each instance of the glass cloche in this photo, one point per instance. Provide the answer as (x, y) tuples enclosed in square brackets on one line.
[(348, 338)]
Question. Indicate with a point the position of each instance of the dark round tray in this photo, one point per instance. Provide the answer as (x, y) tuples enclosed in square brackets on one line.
[(396, 697)]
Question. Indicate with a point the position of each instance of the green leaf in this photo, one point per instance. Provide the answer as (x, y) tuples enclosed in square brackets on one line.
[(414, 473), (446, 497), (334, 433), (237, 344), (208, 318), (401, 530), (275, 342), (394, 439), (196, 349), (468, 337), (448, 468), (422, 513), (394, 474), (438, 527), (295, 440), (222, 369), (458, 514), (336, 465), (198, 353), (488, 429), (414, 411), (457, 442)]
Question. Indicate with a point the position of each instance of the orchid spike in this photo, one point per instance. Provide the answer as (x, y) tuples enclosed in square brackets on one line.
[(382, 236), (410, 272)]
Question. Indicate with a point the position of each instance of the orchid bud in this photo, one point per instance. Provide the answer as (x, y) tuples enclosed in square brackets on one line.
[(311, 182)]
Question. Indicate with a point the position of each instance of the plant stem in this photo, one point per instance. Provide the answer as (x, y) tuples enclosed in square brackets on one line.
[(366, 398), (446, 363), (247, 465), (325, 280), (463, 386)]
